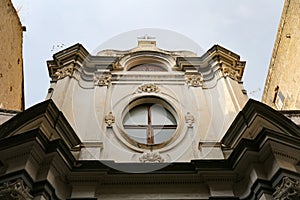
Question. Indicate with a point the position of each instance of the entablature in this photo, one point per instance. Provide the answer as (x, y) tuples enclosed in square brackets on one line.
[(77, 58)]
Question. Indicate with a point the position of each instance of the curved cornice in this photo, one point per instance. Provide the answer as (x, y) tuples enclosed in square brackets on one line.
[(77, 57), (126, 60), (226, 60)]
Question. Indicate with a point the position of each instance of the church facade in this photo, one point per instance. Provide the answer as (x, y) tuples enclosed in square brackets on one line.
[(148, 123)]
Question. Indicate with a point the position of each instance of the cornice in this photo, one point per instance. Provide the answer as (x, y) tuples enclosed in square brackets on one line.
[(253, 114), (228, 62), (194, 172), (44, 116), (209, 168), (76, 50), (33, 137), (77, 58)]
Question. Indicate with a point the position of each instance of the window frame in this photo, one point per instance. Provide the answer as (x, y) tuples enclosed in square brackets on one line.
[(149, 127), (150, 100)]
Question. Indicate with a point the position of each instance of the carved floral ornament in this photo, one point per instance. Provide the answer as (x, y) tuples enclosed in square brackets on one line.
[(151, 157), (148, 88), (189, 119), (195, 80), (289, 189), (64, 72), (231, 73), (102, 79), (109, 119), (16, 190)]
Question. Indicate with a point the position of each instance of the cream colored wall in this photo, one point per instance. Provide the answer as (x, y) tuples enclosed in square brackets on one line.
[(11, 62), (284, 70), (213, 105)]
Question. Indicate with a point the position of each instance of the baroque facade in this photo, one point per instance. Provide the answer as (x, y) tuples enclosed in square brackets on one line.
[(149, 124)]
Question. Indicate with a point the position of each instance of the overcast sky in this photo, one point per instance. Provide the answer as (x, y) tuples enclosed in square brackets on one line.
[(246, 27)]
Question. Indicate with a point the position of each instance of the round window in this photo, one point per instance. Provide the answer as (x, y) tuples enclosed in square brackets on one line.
[(149, 123)]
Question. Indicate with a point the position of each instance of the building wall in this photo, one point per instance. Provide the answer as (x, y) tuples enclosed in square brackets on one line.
[(11, 62), (89, 96), (284, 74)]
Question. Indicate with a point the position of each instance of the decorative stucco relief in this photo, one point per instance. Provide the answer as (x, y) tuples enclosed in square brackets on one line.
[(64, 72), (148, 88), (102, 79), (16, 190), (289, 189), (117, 66), (109, 119), (151, 157), (189, 119), (231, 73), (195, 80)]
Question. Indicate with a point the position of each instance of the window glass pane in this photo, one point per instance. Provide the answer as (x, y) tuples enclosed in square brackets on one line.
[(162, 135), (161, 116), (138, 135), (162, 123), (137, 116), (147, 67)]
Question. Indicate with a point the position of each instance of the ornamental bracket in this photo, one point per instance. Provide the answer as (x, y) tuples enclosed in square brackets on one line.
[(103, 79), (64, 72), (288, 190), (151, 157), (189, 119), (16, 190), (109, 119), (194, 79), (150, 87)]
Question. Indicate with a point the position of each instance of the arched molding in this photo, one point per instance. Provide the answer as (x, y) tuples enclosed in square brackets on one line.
[(166, 62)]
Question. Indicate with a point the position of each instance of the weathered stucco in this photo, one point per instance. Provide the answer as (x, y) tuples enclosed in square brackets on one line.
[(284, 69), (11, 63)]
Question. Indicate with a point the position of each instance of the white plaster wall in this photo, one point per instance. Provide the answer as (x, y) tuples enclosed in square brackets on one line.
[(214, 107)]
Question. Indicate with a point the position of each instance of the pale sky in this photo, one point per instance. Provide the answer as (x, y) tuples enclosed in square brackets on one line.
[(246, 27)]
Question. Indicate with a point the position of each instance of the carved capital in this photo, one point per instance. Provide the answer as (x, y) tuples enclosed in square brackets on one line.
[(64, 72), (232, 72), (288, 190), (148, 88), (195, 80), (103, 79), (189, 119), (109, 119), (117, 66), (151, 157), (16, 190)]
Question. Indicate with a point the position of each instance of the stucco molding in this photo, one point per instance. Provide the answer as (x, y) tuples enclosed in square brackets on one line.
[(109, 119), (288, 190), (232, 72), (194, 80), (189, 119), (283, 154), (15, 190), (148, 88), (64, 72), (103, 79), (151, 157)]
